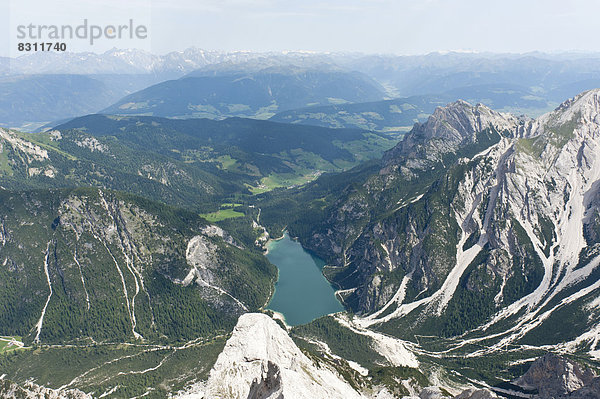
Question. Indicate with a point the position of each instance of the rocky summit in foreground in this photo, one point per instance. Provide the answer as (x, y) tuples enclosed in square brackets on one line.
[(260, 360)]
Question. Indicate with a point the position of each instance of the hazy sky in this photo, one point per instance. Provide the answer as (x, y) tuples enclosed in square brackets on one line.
[(370, 26)]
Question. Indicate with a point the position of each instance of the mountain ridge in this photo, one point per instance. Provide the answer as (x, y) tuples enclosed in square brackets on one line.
[(196, 163), (484, 201), (256, 94)]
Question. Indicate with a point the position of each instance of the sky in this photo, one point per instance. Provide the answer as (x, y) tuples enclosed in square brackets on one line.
[(367, 26)]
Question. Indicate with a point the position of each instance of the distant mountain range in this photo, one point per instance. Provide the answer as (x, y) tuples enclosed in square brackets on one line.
[(45, 87), (119, 61), (259, 94), (400, 114), (29, 101), (219, 83), (552, 76)]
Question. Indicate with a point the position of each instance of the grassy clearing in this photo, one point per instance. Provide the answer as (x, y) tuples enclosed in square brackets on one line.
[(278, 180), (258, 190), (221, 214), (227, 162)]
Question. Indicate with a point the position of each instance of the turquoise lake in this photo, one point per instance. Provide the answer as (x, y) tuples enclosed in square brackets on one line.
[(302, 293)]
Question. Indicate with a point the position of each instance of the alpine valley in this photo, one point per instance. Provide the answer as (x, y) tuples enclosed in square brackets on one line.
[(465, 250)]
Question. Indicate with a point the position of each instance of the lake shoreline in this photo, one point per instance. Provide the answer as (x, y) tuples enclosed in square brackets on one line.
[(271, 241), (301, 292)]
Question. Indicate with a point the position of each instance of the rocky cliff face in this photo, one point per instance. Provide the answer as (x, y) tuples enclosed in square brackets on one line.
[(448, 131), (413, 192), (508, 226), (260, 360), (553, 376), (407, 172)]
